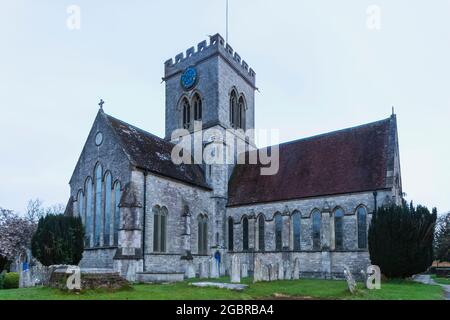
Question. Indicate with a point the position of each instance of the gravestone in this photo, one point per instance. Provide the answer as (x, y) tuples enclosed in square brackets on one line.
[(280, 271), (244, 270), (190, 270), (265, 272), (351, 283), (273, 272), (257, 271), (214, 268), (288, 271), (204, 274), (235, 269), (296, 272)]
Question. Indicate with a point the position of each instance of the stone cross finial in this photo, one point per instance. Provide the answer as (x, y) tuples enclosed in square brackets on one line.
[(101, 103)]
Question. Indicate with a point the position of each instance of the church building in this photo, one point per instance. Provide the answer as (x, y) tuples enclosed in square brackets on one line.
[(152, 219)]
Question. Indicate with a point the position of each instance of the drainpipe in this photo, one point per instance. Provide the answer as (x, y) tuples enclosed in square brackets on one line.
[(143, 221), (375, 193)]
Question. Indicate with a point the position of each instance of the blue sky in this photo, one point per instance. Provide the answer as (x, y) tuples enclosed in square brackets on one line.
[(319, 68)]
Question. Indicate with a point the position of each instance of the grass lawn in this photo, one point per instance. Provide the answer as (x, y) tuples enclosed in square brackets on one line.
[(301, 289), (441, 280)]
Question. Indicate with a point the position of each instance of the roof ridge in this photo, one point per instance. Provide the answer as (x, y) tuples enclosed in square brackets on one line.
[(137, 128), (320, 135)]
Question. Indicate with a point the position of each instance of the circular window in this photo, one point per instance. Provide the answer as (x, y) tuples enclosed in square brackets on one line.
[(99, 139)]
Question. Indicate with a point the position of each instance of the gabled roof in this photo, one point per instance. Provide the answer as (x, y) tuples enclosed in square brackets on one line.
[(346, 161), (149, 152)]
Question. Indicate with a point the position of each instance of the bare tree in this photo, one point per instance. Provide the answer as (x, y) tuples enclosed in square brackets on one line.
[(35, 210)]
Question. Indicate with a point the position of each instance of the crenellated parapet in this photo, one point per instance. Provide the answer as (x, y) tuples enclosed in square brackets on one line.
[(204, 50)]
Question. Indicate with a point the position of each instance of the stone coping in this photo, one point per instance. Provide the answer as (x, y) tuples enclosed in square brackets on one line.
[(229, 286)]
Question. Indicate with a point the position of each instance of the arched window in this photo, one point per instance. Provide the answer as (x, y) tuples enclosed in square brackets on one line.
[(186, 107), (296, 228), (245, 234), (339, 229), (81, 211), (98, 204), (89, 211), (230, 234), (316, 226), (159, 229), (233, 109), (241, 113), (203, 235), (261, 233), (362, 228), (278, 232), (197, 103), (117, 196), (108, 213)]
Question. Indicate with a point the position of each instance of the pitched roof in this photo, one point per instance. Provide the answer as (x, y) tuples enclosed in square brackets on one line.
[(345, 161), (149, 152)]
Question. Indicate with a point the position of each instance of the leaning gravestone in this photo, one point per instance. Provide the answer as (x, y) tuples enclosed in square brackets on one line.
[(214, 268), (350, 281), (244, 270), (296, 272), (204, 274), (235, 269)]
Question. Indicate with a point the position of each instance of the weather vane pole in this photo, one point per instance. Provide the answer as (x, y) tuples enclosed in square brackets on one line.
[(227, 22)]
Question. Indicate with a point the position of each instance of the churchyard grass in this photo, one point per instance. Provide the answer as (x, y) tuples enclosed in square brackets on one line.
[(441, 280), (298, 289)]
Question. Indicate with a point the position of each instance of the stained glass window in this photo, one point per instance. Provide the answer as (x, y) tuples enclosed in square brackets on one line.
[(108, 213), (245, 234), (296, 228), (278, 232), (316, 226), (362, 228), (339, 229), (230, 234)]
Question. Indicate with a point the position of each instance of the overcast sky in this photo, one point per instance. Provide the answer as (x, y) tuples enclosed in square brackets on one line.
[(319, 68)]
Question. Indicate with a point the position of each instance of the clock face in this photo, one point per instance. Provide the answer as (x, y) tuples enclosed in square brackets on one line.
[(189, 78)]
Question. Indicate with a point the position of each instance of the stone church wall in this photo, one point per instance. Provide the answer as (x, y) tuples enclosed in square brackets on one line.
[(181, 231)]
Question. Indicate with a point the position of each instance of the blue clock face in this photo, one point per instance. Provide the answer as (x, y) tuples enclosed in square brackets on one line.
[(189, 78)]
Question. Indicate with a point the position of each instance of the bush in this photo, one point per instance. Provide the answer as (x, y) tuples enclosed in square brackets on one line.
[(58, 240), (401, 240), (11, 280)]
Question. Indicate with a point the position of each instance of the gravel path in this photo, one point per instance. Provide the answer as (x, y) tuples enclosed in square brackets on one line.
[(426, 279)]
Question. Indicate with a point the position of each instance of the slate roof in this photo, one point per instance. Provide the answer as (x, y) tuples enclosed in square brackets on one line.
[(340, 162), (149, 152)]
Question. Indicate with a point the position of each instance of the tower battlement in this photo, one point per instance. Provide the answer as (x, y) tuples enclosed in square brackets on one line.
[(216, 46)]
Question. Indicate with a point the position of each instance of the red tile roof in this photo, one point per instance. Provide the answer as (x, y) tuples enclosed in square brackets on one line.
[(345, 161)]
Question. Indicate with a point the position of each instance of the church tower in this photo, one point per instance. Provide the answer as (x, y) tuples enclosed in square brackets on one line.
[(211, 87)]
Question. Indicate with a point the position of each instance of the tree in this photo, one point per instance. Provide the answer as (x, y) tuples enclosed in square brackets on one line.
[(15, 234), (442, 239), (401, 240), (58, 240)]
